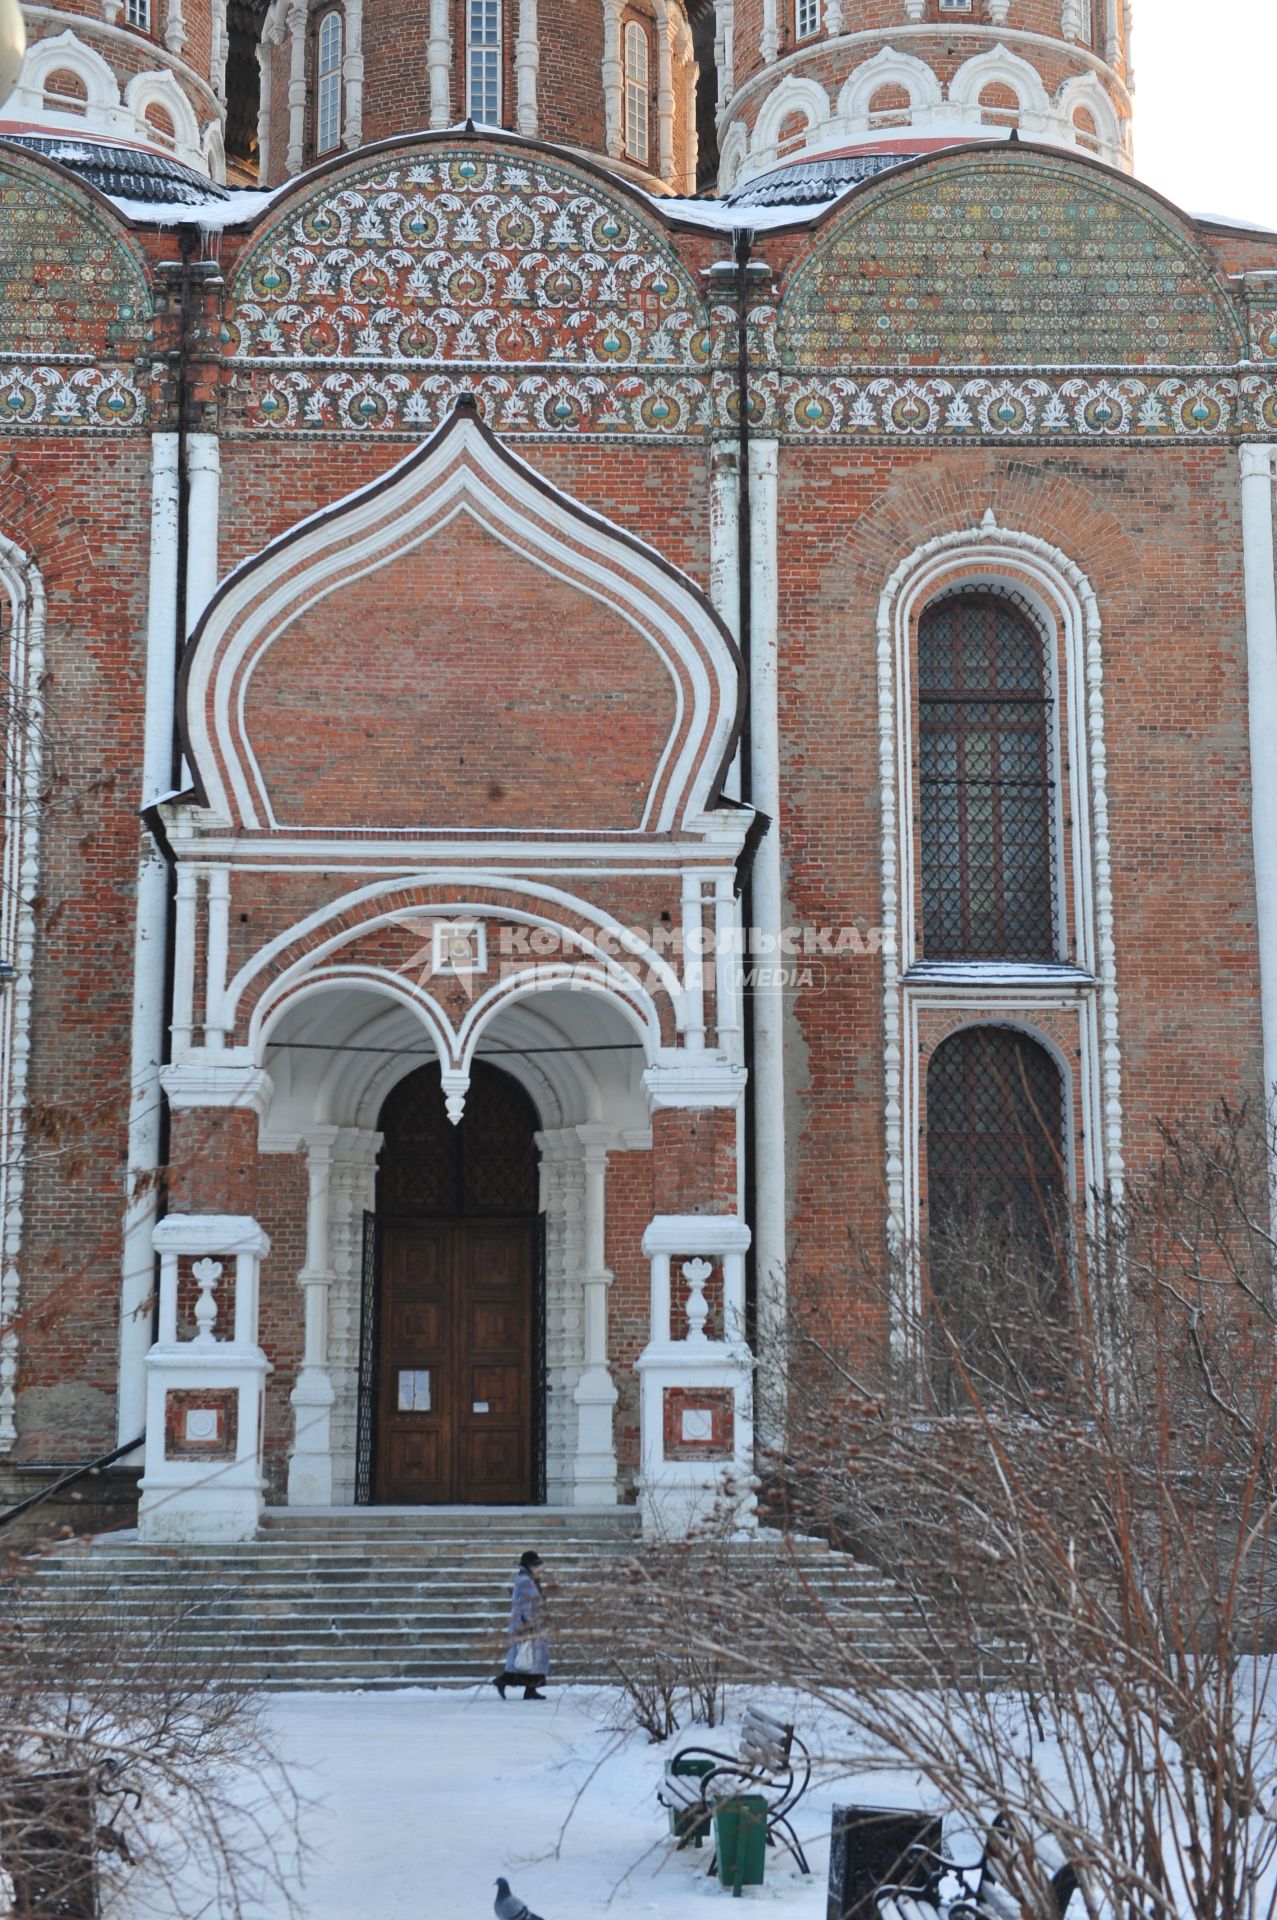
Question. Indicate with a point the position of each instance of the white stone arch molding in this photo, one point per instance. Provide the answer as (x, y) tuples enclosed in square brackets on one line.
[(1000, 66), (1084, 90), (67, 52), (22, 588), (888, 68), (795, 94), (158, 88), (462, 468), (996, 556)]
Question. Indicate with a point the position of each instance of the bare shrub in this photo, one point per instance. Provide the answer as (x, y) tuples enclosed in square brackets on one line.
[(132, 1771)]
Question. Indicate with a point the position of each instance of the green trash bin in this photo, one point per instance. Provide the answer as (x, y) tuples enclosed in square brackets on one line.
[(688, 1823), (740, 1834)]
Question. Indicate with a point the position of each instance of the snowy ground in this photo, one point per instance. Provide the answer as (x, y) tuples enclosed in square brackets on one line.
[(418, 1800)]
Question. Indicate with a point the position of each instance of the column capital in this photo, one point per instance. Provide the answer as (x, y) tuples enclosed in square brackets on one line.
[(1258, 460)]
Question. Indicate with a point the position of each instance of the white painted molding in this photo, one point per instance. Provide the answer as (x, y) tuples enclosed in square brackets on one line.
[(702, 1233), (297, 21), (352, 77), (439, 63), (198, 1234), (1033, 567), (1258, 465), (223, 1081), (23, 586), (527, 62), (461, 469), (702, 1082), (613, 79)]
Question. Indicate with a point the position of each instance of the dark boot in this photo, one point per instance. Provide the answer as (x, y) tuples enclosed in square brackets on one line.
[(501, 1682), (531, 1683)]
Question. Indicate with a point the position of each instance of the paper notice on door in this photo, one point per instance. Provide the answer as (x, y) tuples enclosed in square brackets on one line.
[(480, 1406), (414, 1390)]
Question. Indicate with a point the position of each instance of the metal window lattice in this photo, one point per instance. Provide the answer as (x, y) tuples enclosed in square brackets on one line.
[(995, 1136), (485, 1165), (137, 13), (484, 71), (986, 789), (806, 18)]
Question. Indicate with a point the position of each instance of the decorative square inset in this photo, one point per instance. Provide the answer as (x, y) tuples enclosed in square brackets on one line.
[(201, 1423), (698, 1423), (460, 946)]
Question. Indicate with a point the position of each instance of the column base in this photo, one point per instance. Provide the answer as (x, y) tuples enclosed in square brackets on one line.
[(310, 1465)]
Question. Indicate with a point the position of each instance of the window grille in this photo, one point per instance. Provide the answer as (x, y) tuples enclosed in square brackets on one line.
[(986, 786), (999, 1241), (328, 90), (637, 91), (137, 13), (806, 18), (483, 86), (487, 1164)]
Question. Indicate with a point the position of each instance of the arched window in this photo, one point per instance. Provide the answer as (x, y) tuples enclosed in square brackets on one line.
[(328, 84), (137, 13), (806, 18), (483, 64), (998, 1240), (986, 781), (65, 92), (638, 91)]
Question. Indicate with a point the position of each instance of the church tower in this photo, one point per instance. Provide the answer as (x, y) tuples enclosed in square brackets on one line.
[(878, 79), (614, 79), (139, 83)]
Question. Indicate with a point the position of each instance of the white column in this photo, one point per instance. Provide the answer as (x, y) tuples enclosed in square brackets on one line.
[(694, 962), (1257, 464), (768, 1003), (219, 901), (563, 1200), (137, 1265), (594, 1475), (724, 53), (352, 1182), (724, 559), (184, 957), (527, 60), (310, 1465), (296, 89), (439, 61), (665, 92), (352, 76), (727, 963), (204, 473), (613, 79), (265, 61)]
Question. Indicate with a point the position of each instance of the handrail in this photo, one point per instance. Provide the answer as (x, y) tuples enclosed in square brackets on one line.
[(69, 1479)]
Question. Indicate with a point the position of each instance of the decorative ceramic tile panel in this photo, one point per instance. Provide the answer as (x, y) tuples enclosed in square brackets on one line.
[(1006, 260), (67, 279), (339, 315)]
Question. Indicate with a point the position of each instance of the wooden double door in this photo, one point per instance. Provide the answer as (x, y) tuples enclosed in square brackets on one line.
[(455, 1363)]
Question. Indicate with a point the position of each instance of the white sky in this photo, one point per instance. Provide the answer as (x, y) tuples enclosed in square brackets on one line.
[(1206, 104)]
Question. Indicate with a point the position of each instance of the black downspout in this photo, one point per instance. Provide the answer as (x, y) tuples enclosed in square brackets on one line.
[(744, 553)]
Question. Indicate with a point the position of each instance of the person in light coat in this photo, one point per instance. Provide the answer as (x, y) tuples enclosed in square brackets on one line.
[(527, 1662)]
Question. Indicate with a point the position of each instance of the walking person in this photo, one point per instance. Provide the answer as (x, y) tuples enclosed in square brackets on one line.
[(527, 1662)]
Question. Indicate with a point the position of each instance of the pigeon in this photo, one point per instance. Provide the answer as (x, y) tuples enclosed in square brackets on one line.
[(508, 1906)]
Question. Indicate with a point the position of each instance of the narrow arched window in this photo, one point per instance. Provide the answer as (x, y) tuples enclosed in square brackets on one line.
[(638, 91), (328, 84), (986, 781), (998, 1242), (483, 65)]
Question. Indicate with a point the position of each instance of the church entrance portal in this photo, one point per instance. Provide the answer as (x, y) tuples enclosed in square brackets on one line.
[(453, 1329)]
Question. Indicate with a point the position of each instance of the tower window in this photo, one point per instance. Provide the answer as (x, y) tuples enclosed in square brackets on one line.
[(483, 75), (806, 18), (638, 91), (137, 13), (986, 787), (328, 84)]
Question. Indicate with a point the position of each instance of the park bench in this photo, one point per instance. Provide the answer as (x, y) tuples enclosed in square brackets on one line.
[(983, 1892), (770, 1761)]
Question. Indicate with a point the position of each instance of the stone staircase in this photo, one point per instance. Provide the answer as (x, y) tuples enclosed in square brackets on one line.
[(384, 1597)]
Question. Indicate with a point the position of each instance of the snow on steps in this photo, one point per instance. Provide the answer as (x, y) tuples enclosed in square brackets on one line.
[(386, 1597)]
